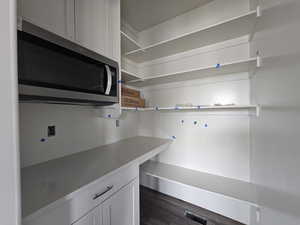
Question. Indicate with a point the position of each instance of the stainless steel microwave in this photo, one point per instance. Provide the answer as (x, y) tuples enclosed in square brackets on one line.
[(52, 69)]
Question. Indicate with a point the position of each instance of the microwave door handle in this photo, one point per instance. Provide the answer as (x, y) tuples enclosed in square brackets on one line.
[(109, 80)]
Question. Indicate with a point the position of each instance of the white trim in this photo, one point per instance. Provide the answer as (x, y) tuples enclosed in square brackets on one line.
[(202, 81), (127, 74), (131, 39), (239, 190), (127, 28), (10, 161), (186, 35), (209, 71), (198, 51)]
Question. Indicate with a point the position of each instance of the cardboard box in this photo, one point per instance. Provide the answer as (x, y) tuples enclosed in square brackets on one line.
[(130, 92), (133, 102)]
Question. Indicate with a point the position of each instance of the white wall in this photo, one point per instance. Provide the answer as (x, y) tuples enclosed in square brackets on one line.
[(195, 19), (275, 155), (9, 156), (221, 53), (78, 129), (222, 148), (198, 18)]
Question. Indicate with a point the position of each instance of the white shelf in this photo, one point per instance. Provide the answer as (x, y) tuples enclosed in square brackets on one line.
[(222, 31), (232, 188), (128, 76), (128, 44), (227, 68), (255, 108)]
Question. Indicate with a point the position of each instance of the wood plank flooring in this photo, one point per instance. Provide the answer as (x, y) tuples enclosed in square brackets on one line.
[(160, 209)]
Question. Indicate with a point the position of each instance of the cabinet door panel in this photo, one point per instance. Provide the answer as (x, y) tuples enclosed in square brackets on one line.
[(92, 218), (56, 16), (123, 207), (91, 24), (114, 27)]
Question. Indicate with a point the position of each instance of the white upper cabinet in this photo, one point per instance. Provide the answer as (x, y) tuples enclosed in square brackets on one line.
[(94, 24), (56, 16), (114, 29), (91, 24)]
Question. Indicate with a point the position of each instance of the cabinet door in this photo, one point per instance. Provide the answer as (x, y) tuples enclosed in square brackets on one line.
[(92, 218), (114, 27), (123, 207), (56, 16), (91, 24)]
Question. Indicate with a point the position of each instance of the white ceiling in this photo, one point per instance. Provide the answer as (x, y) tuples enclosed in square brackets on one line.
[(143, 14)]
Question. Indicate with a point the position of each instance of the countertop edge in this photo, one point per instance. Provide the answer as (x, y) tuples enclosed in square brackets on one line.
[(138, 161)]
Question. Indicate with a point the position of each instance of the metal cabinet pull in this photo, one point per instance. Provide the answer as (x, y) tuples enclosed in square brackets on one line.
[(102, 193)]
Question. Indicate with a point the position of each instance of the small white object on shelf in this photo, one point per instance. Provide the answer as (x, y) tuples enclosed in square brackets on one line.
[(219, 32), (232, 188)]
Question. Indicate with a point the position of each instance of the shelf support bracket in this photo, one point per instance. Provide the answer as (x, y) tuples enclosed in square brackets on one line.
[(258, 65), (257, 110), (258, 11), (258, 14), (258, 60)]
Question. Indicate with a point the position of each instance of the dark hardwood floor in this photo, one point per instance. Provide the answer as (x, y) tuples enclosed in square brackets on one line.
[(160, 209)]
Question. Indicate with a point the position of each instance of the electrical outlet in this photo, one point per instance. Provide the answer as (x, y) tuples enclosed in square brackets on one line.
[(51, 131), (117, 123)]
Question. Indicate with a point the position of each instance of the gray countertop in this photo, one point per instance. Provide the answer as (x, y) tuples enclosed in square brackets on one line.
[(44, 183)]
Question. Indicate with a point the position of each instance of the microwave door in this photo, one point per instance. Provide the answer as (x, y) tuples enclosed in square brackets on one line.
[(49, 70), (46, 65)]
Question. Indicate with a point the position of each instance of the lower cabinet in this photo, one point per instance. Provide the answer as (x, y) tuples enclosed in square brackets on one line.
[(122, 208), (112, 200), (92, 218)]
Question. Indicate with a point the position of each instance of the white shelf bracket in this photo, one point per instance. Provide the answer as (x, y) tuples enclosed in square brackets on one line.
[(257, 111), (258, 65), (258, 215), (258, 14), (258, 62), (258, 11)]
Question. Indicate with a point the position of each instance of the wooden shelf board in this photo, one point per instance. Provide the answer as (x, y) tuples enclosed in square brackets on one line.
[(219, 32), (222, 69), (232, 188)]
